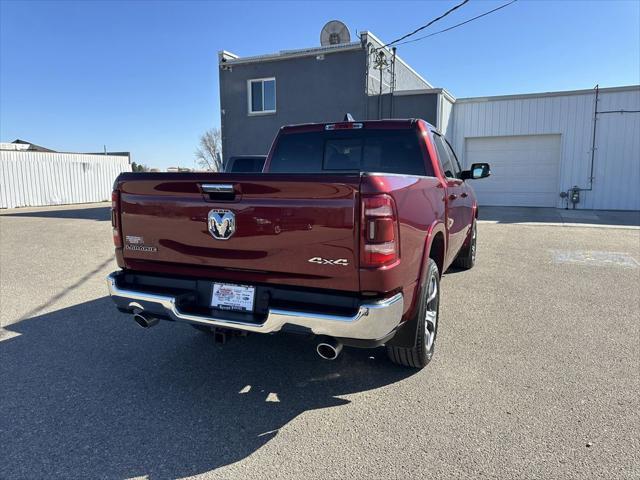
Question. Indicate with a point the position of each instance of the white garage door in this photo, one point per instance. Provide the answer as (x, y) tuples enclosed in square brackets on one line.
[(524, 169)]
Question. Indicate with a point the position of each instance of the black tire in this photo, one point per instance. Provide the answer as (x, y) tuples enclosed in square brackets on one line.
[(466, 259), (421, 353)]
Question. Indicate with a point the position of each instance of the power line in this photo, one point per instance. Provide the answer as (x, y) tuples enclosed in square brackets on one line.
[(425, 26), (459, 24)]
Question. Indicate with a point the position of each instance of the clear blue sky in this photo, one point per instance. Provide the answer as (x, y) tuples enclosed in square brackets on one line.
[(142, 76)]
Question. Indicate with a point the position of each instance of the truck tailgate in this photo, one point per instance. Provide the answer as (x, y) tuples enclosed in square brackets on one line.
[(290, 229)]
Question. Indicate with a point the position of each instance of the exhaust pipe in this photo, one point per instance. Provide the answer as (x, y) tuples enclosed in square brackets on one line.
[(144, 320), (329, 348)]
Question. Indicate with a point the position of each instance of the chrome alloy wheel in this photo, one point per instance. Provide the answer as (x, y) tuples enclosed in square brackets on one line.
[(431, 315)]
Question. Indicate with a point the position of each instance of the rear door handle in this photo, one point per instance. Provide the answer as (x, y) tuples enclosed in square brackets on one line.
[(453, 196)]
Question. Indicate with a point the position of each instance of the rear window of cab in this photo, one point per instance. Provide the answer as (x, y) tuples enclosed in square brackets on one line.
[(368, 150)]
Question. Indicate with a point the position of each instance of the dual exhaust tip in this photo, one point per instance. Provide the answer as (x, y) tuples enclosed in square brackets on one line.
[(327, 348), (144, 320)]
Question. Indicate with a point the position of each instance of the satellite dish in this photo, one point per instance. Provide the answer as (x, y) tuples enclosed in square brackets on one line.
[(334, 33)]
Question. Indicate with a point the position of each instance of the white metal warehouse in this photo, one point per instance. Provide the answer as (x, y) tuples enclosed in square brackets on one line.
[(36, 177), (541, 145)]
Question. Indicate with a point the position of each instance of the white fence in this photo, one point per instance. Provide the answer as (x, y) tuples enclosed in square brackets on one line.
[(29, 179)]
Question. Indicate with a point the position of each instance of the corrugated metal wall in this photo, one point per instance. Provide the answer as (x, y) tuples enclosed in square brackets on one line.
[(29, 179), (445, 122), (616, 184)]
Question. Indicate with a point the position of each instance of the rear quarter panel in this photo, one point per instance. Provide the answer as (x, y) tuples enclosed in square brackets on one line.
[(420, 211)]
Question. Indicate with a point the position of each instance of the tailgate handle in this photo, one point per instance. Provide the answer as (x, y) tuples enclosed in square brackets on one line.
[(217, 188), (219, 191)]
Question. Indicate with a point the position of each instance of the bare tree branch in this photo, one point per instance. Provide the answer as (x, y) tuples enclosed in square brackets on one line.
[(209, 153), (139, 167)]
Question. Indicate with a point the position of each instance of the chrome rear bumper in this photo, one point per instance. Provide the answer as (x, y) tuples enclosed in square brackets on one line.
[(372, 321)]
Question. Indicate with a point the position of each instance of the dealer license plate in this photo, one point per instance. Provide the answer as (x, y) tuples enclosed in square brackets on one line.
[(233, 297)]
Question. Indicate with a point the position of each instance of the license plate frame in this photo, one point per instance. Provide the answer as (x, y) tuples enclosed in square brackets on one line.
[(233, 297)]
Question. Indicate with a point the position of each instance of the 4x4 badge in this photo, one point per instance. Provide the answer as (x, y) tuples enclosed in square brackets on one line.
[(343, 262)]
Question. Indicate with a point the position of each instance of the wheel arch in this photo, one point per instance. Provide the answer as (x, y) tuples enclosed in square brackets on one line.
[(436, 251), (435, 248)]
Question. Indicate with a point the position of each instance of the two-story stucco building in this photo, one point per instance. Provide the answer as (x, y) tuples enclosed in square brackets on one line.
[(260, 94)]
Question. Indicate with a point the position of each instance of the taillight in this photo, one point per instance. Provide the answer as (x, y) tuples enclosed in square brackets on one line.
[(379, 231), (115, 216)]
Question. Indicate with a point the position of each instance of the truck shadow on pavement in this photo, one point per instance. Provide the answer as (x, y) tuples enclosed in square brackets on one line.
[(86, 393), (102, 214), (559, 216)]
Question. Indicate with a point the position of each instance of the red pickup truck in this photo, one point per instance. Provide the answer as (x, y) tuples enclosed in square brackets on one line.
[(343, 236)]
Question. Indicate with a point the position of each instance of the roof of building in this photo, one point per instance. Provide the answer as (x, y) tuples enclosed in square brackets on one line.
[(548, 94), (22, 145), (19, 145), (227, 58)]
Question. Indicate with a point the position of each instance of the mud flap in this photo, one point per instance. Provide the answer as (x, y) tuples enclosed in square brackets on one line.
[(406, 335)]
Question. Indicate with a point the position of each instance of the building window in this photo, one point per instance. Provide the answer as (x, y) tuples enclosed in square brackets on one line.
[(262, 95)]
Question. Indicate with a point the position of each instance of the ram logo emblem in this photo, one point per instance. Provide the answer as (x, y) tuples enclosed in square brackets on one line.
[(222, 224)]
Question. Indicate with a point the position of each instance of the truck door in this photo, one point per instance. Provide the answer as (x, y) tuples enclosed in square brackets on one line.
[(465, 200), (455, 197)]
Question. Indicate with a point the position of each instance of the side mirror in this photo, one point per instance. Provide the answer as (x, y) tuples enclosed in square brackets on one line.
[(477, 170)]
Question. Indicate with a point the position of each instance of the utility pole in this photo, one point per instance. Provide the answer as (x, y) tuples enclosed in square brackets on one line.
[(380, 63), (393, 80)]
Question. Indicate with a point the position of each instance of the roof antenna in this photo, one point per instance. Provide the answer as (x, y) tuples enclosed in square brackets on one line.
[(348, 118)]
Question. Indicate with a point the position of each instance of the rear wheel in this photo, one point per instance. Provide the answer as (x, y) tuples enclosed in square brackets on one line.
[(428, 312), (466, 259)]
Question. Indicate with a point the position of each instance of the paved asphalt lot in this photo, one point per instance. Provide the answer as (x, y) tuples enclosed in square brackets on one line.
[(536, 374)]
